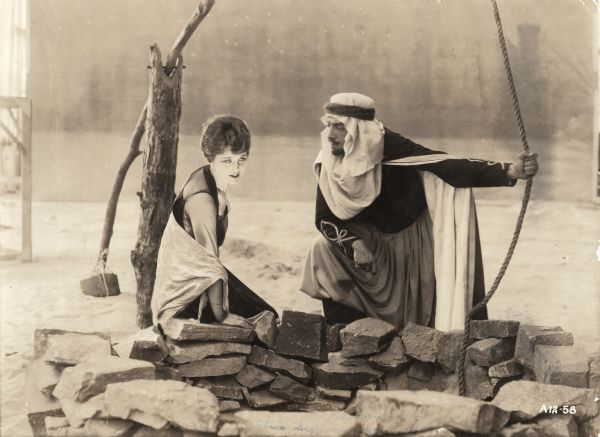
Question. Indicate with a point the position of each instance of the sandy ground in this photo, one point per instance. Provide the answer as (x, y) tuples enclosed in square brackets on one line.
[(554, 277)]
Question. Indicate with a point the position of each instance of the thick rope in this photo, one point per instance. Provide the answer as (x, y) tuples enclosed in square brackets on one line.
[(526, 194)]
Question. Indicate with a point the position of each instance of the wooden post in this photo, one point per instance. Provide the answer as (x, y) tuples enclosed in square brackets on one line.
[(26, 188), (158, 179)]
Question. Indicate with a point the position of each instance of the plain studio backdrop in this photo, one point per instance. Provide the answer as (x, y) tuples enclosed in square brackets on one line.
[(434, 69)]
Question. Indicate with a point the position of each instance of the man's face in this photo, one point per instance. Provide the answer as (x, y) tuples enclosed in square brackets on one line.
[(336, 135)]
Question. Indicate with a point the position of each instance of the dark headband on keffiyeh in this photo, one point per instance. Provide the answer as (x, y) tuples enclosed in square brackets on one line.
[(350, 111)]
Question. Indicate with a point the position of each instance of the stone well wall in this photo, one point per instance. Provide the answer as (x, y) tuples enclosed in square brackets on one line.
[(300, 377)]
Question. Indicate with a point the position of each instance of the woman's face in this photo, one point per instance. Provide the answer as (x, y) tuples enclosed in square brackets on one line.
[(228, 167)]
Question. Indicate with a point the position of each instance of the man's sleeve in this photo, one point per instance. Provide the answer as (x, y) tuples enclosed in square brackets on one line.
[(332, 228), (462, 173), (458, 172)]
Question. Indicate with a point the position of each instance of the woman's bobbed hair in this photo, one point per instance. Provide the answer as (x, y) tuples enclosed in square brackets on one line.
[(224, 131)]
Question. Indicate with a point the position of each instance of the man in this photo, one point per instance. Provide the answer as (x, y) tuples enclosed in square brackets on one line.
[(399, 236)]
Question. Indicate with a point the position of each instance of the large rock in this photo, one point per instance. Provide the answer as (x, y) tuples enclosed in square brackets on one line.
[(269, 359), (394, 358), (191, 329), (395, 412), (529, 336), (45, 375), (262, 398), (338, 376), (420, 342), (448, 348), (505, 369), (144, 344), (302, 335), (41, 336), (265, 327), (491, 351), (71, 348), (591, 427), (213, 367), (292, 424), (289, 389), (88, 379), (228, 430), (563, 365), (481, 329), (186, 352), (333, 342), (563, 425), (108, 427), (222, 387), (228, 405), (526, 399), (78, 412), (366, 336), (252, 376), (187, 407)]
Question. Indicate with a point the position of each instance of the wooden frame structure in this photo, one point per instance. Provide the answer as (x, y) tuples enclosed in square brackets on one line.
[(596, 157), (24, 143)]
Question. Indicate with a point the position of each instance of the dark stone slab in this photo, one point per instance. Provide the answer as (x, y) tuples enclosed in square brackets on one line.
[(394, 358), (252, 376), (481, 329), (366, 336), (262, 398), (421, 371), (181, 352), (332, 337), (448, 348), (223, 387), (269, 359), (145, 344), (505, 369), (190, 329), (529, 336), (420, 342), (302, 335), (289, 389), (213, 367), (491, 351), (337, 376), (478, 384), (265, 327)]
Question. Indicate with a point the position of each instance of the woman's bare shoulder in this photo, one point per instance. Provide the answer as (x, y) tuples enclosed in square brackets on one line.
[(196, 183)]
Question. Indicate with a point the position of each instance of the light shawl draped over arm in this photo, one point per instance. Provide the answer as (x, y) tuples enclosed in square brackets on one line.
[(184, 271)]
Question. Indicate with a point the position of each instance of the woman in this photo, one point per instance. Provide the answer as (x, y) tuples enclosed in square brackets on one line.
[(191, 281)]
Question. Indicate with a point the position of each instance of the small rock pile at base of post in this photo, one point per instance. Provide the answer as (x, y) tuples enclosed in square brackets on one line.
[(300, 377)]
